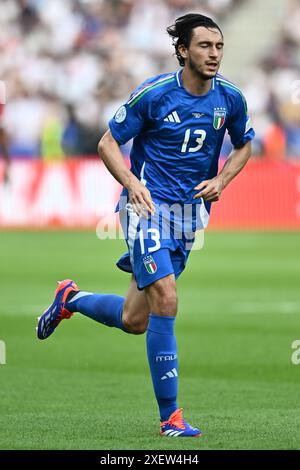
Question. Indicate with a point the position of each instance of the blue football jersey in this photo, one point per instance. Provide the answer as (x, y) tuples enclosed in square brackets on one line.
[(177, 136)]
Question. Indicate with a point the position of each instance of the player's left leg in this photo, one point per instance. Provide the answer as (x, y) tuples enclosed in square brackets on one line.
[(162, 356), (161, 343)]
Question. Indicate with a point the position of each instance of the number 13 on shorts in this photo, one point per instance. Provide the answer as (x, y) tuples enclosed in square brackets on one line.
[(154, 236)]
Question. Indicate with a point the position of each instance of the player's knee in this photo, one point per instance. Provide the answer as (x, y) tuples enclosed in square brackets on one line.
[(135, 327), (167, 303), (163, 298), (139, 329)]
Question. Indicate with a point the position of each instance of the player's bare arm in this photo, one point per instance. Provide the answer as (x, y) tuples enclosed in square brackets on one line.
[(139, 195), (211, 189)]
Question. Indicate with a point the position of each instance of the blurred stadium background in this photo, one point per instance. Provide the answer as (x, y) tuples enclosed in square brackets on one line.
[(67, 66)]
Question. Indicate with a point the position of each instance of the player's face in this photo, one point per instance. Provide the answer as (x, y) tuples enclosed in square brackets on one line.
[(205, 52)]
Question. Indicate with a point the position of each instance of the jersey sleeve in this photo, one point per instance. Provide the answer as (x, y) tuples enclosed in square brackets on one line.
[(132, 118), (239, 125)]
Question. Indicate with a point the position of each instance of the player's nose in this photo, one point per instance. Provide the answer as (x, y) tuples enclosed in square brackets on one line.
[(213, 52)]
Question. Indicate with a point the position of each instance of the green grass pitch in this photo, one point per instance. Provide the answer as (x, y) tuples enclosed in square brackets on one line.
[(88, 386)]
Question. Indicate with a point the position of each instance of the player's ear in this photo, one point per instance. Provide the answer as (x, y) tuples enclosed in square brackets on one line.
[(182, 51)]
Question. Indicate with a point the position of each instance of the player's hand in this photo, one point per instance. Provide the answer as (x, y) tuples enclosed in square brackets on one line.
[(140, 198), (210, 190)]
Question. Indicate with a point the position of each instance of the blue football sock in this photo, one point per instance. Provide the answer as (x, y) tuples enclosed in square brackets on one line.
[(162, 357), (103, 308)]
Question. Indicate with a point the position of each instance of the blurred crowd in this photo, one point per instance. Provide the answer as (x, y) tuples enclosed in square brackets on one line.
[(273, 92), (68, 65)]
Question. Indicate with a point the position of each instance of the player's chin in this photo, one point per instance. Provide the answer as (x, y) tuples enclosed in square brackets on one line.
[(208, 75)]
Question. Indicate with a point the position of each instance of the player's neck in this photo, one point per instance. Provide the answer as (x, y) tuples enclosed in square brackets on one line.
[(194, 84)]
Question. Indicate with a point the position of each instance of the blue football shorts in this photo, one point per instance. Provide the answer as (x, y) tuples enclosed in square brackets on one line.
[(156, 248)]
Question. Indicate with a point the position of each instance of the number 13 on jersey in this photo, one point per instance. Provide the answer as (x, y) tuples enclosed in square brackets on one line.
[(199, 140)]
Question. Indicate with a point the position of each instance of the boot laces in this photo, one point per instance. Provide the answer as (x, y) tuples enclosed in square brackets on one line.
[(64, 314)]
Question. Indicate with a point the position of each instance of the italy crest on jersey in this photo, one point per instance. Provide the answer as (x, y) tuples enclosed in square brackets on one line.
[(150, 264), (219, 118)]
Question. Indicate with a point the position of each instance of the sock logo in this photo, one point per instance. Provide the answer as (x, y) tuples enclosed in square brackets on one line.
[(169, 375), (171, 357)]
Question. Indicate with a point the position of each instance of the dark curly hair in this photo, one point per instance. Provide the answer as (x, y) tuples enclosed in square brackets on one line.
[(181, 31)]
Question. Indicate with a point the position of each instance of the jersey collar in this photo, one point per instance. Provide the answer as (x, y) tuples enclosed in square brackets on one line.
[(180, 84)]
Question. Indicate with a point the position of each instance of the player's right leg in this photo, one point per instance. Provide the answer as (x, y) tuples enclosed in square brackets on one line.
[(129, 314), (56, 312)]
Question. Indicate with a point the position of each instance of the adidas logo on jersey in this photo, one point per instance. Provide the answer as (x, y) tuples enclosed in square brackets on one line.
[(170, 374), (173, 117)]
